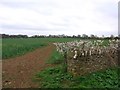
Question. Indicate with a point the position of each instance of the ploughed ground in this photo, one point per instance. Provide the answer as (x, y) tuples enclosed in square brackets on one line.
[(18, 72)]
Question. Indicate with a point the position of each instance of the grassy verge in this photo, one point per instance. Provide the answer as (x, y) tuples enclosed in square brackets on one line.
[(56, 77), (53, 77), (102, 79), (56, 58)]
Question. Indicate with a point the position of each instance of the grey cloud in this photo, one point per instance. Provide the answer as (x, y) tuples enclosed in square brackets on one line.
[(60, 24), (30, 28), (44, 11), (67, 20), (30, 3), (22, 27), (43, 7), (16, 4), (109, 9)]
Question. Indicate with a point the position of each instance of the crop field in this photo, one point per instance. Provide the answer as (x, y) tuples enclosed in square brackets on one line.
[(75, 63), (16, 47)]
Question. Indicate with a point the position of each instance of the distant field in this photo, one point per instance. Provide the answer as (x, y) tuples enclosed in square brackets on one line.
[(16, 47)]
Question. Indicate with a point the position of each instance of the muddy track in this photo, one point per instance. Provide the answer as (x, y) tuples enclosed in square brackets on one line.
[(18, 72)]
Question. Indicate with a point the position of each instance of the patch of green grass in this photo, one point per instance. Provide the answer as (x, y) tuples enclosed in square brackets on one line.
[(102, 79), (56, 58), (55, 77)]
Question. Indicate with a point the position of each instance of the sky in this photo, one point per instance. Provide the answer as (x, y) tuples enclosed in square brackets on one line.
[(69, 17)]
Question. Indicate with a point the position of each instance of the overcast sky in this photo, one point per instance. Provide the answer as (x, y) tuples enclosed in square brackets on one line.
[(69, 17)]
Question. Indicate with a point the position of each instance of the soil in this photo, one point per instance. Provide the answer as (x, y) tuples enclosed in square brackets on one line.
[(18, 72)]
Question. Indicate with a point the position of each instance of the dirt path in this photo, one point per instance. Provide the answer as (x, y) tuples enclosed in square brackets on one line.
[(18, 72)]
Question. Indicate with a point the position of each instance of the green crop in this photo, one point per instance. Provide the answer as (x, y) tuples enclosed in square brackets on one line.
[(16, 47)]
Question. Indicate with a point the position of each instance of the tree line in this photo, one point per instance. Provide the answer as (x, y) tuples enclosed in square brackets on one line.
[(83, 36)]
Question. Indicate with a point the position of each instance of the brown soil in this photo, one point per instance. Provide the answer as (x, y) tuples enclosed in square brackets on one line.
[(18, 72)]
